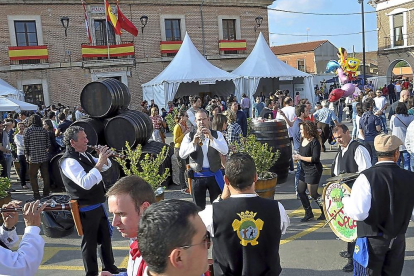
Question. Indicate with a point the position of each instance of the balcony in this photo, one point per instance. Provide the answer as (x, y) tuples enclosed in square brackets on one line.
[(28, 54), (232, 46), (393, 43), (170, 48)]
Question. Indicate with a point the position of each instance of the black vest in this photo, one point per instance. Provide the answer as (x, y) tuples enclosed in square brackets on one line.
[(84, 197), (392, 203), (196, 158), (259, 256)]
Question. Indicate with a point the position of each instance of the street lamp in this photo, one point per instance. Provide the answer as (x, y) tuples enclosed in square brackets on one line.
[(259, 21), (363, 40), (144, 21), (65, 23)]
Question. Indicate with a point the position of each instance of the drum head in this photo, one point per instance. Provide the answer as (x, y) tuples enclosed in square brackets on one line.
[(343, 226)]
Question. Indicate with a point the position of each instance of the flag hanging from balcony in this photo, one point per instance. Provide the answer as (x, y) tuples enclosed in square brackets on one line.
[(88, 32), (125, 23), (111, 17)]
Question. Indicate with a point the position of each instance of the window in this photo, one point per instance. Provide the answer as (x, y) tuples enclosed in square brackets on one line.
[(301, 65), (100, 26), (229, 32), (398, 29), (26, 34), (33, 93), (172, 30)]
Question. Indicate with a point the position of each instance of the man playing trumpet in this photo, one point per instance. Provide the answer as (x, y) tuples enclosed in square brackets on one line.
[(81, 175)]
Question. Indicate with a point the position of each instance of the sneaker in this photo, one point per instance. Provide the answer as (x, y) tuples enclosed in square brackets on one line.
[(24, 187), (349, 267), (291, 172), (185, 191)]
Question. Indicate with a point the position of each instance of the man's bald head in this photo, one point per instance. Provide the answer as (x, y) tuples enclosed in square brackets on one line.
[(404, 96)]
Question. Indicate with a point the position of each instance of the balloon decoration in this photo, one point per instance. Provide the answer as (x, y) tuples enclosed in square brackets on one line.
[(346, 69)]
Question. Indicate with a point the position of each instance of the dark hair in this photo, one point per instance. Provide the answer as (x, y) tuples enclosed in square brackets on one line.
[(267, 102), (143, 103), (340, 126), (240, 171), (62, 116), (359, 109), (410, 102), (51, 115), (164, 226), (218, 122), (299, 109), (35, 120), (303, 101), (401, 109), (387, 153), (179, 115), (367, 105), (49, 124), (194, 99), (309, 130), (136, 187), (71, 133), (287, 101), (213, 106)]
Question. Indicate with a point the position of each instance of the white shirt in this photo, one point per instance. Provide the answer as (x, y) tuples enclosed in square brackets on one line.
[(290, 114), (409, 138), (357, 206), (187, 147), (380, 102), (75, 172), (26, 260), (398, 126), (78, 115), (361, 157), (207, 215), (357, 119), (18, 140)]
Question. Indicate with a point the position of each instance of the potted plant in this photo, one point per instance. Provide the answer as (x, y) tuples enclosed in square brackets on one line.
[(4, 194), (264, 157), (145, 166)]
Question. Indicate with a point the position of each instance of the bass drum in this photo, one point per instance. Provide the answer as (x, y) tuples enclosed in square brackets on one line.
[(343, 226)]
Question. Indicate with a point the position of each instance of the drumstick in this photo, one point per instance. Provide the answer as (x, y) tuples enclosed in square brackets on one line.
[(337, 212)]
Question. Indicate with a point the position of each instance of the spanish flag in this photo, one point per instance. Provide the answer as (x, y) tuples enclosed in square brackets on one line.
[(110, 17)]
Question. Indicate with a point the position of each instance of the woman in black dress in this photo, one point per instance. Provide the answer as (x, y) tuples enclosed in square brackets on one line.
[(309, 156)]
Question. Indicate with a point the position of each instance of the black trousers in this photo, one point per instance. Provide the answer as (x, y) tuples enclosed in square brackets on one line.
[(96, 232), (23, 169), (385, 261), (200, 185)]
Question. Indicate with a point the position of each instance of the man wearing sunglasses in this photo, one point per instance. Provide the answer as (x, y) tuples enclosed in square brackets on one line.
[(246, 228), (173, 239)]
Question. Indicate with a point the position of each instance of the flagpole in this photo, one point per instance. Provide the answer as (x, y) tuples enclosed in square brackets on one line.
[(107, 27)]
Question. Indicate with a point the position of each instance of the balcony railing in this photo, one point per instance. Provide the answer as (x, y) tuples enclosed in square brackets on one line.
[(391, 42), (125, 50), (232, 46), (28, 54), (170, 47)]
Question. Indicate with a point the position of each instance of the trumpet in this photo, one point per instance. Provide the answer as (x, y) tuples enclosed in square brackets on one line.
[(114, 153)]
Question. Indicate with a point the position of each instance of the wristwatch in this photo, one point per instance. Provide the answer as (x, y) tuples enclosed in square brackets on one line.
[(8, 229)]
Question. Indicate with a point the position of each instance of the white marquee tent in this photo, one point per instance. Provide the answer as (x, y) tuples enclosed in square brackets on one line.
[(9, 91), (263, 63), (188, 66), (9, 104)]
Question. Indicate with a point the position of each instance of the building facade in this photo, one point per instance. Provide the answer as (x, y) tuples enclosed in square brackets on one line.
[(395, 34), (47, 53)]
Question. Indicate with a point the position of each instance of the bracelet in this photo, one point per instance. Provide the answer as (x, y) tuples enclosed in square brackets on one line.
[(7, 229)]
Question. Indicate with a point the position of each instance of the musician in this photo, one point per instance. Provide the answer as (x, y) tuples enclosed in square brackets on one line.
[(81, 175), (233, 255), (128, 198), (352, 157), (204, 159), (26, 260), (382, 202)]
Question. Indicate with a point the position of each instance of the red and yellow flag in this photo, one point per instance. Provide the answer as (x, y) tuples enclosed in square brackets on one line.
[(111, 17), (125, 23)]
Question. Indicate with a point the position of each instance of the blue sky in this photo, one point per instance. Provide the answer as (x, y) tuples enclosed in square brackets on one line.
[(297, 24)]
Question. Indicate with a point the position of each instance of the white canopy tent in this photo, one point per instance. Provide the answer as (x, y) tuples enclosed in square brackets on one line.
[(8, 104), (10, 92), (263, 63), (188, 66)]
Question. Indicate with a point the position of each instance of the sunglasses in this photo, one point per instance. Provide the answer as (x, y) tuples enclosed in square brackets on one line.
[(206, 241)]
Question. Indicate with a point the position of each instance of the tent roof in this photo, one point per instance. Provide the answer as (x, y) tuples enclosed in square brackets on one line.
[(8, 90), (9, 104), (190, 66), (262, 63)]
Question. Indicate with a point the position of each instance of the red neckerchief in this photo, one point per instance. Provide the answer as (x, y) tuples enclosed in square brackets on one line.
[(135, 253)]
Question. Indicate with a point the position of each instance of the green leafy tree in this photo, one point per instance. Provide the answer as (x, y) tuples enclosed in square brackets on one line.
[(4, 185), (170, 119)]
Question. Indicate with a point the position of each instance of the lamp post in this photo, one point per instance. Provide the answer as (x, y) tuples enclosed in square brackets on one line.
[(65, 24), (363, 40), (144, 21), (259, 21)]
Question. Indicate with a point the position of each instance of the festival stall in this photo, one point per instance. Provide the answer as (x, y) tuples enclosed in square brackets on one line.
[(9, 91), (188, 73), (262, 65), (9, 104)]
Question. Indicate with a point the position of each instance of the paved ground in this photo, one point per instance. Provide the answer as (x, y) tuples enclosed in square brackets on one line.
[(306, 248)]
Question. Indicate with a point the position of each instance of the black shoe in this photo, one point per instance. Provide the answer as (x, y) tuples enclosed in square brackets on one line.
[(345, 254), (308, 215), (321, 217), (349, 267)]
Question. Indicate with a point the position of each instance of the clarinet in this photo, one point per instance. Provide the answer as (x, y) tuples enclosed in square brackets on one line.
[(114, 153)]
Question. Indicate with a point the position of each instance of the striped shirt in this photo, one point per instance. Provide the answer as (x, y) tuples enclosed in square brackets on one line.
[(325, 115)]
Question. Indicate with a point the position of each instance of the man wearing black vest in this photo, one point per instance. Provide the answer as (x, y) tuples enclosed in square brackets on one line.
[(204, 146), (382, 202), (81, 175), (352, 157), (246, 228)]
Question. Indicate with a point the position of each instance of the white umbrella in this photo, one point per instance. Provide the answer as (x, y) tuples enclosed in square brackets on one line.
[(7, 104)]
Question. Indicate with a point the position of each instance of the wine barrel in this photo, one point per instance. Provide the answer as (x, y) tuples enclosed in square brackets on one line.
[(275, 134), (104, 98), (130, 126), (154, 148), (94, 129)]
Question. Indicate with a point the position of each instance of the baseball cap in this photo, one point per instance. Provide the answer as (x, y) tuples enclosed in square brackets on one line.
[(386, 142)]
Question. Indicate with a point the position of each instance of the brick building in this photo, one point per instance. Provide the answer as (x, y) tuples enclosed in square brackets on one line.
[(50, 67), (310, 57), (395, 34)]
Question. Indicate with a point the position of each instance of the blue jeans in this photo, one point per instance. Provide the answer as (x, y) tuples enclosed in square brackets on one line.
[(383, 123), (354, 129), (405, 158), (298, 170), (9, 162), (370, 146)]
